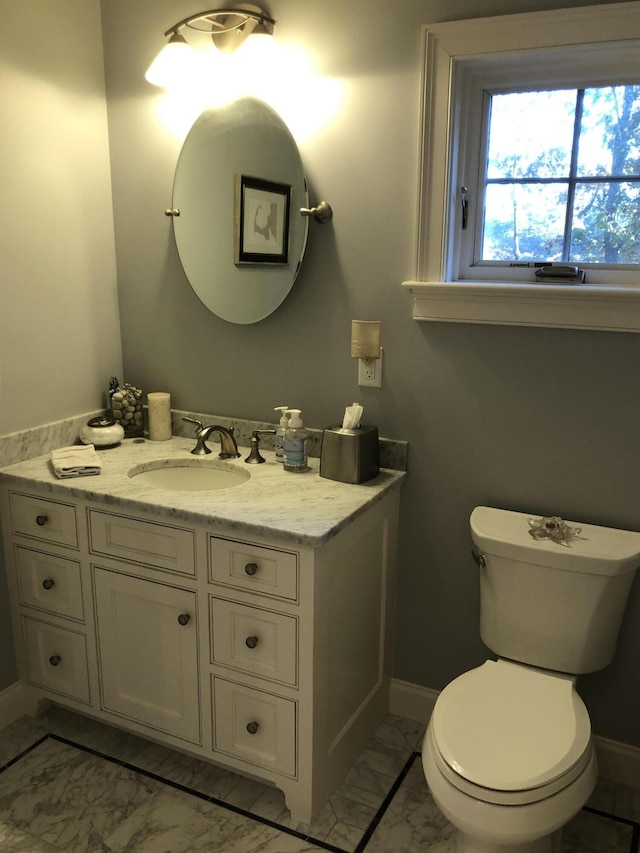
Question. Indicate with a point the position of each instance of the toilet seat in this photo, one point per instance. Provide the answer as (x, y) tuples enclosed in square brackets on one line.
[(510, 733)]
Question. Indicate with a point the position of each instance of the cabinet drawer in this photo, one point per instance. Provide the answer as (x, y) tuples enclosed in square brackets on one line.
[(43, 519), (49, 583), (56, 659), (264, 570), (254, 640), (256, 727), (146, 542)]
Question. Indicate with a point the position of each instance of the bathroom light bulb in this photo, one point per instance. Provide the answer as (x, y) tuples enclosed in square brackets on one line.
[(172, 65)]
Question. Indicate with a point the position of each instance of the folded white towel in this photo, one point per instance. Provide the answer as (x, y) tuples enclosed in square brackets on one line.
[(80, 460)]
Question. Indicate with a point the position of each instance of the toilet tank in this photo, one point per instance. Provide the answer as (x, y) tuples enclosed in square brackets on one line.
[(556, 606)]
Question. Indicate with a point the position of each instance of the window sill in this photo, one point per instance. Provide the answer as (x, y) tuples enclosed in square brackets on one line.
[(612, 309)]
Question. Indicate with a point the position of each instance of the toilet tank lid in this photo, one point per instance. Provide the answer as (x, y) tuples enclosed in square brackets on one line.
[(597, 550)]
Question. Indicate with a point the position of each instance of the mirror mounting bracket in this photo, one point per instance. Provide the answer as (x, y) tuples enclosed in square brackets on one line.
[(322, 212)]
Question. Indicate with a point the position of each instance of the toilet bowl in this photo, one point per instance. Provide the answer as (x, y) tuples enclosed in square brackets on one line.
[(508, 757), (508, 754)]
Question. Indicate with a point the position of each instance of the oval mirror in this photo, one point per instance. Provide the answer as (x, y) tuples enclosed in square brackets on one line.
[(238, 188)]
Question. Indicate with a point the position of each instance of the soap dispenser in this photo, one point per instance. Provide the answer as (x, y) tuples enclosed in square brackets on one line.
[(295, 454), (280, 431)]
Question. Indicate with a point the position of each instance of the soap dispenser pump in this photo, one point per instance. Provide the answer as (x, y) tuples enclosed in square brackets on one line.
[(295, 454), (280, 431)]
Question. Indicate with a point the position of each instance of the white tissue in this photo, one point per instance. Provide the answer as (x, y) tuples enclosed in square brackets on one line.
[(352, 416), (76, 461)]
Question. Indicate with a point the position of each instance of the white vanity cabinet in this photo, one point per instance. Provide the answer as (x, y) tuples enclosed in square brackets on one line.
[(264, 654)]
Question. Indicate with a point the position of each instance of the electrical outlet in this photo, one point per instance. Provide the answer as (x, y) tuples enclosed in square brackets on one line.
[(370, 372)]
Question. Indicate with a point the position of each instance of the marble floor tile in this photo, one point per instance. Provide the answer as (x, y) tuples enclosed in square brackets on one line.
[(19, 736), (412, 822), (18, 841), (57, 797), (200, 776), (591, 833), (68, 798), (175, 822)]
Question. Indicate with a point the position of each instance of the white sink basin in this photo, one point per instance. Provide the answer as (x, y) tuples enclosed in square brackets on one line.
[(188, 475)]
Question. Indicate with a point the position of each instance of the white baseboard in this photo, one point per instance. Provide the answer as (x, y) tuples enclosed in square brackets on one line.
[(411, 700), (13, 704), (618, 762)]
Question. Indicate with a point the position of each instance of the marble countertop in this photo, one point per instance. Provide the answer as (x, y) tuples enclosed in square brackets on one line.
[(303, 509)]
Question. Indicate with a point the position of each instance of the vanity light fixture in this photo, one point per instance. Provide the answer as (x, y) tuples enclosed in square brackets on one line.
[(228, 28), (365, 346)]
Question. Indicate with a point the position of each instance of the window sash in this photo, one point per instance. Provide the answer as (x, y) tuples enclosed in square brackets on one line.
[(472, 85)]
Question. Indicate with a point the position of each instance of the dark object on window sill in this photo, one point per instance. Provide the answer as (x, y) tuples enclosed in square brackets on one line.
[(565, 273)]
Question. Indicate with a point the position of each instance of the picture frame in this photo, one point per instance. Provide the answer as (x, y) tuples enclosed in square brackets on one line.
[(262, 214)]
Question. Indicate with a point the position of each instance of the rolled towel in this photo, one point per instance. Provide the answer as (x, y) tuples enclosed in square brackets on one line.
[(79, 460)]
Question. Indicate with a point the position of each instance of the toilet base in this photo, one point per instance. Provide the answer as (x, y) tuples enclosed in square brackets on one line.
[(466, 844)]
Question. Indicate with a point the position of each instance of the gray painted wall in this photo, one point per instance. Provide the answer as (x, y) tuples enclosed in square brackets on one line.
[(545, 421)]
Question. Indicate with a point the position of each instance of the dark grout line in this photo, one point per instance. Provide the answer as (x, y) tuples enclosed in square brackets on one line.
[(625, 820), (386, 803), (24, 752), (635, 840)]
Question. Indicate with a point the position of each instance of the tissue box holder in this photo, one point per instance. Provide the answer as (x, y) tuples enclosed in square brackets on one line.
[(349, 455)]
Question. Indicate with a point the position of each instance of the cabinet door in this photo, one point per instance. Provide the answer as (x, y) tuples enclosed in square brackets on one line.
[(148, 654)]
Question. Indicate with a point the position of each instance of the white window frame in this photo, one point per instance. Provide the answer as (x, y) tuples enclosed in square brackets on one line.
[(452, 51)]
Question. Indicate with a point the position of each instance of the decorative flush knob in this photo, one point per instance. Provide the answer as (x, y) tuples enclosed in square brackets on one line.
[(184, 618), (41, 520), (251, 642), (253, 727), (48, 583), (251, 568), (54, 660)]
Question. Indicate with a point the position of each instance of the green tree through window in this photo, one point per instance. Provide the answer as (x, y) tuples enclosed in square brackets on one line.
[(562, 180)]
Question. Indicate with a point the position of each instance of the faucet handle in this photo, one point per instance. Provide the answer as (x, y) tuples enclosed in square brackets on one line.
[(255, 457), (194, 421)]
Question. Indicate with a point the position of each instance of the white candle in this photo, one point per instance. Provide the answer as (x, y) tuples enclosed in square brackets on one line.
[(159, 403)]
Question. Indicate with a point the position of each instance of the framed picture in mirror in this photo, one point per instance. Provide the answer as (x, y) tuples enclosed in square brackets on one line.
[(262, 213)]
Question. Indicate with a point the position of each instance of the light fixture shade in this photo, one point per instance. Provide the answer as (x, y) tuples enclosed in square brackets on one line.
[(174, 62), (365, 338)]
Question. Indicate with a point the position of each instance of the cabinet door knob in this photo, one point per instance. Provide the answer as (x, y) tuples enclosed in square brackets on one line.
[(253, 727), (54, 660), (41, 520), (251, 568), (48, 583), (251, 642), (184, 618)]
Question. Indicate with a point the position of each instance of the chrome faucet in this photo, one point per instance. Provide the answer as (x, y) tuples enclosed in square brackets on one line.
[(228, 445)]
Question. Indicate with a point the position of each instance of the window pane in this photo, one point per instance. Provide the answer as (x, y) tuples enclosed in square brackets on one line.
[(524, 222), (606, 223), (530, 134), (610, 132)]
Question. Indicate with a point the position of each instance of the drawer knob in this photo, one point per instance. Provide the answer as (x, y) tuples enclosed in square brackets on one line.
[(54, 660), (251, 642), (41, 520), (251, 568), (184, 618), (253, 727), (48, 583)]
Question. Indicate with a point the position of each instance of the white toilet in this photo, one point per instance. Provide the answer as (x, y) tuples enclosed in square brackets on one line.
[(507, 754)]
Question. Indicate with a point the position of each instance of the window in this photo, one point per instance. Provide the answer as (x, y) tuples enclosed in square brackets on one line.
[(531, 157), (561, 177)]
